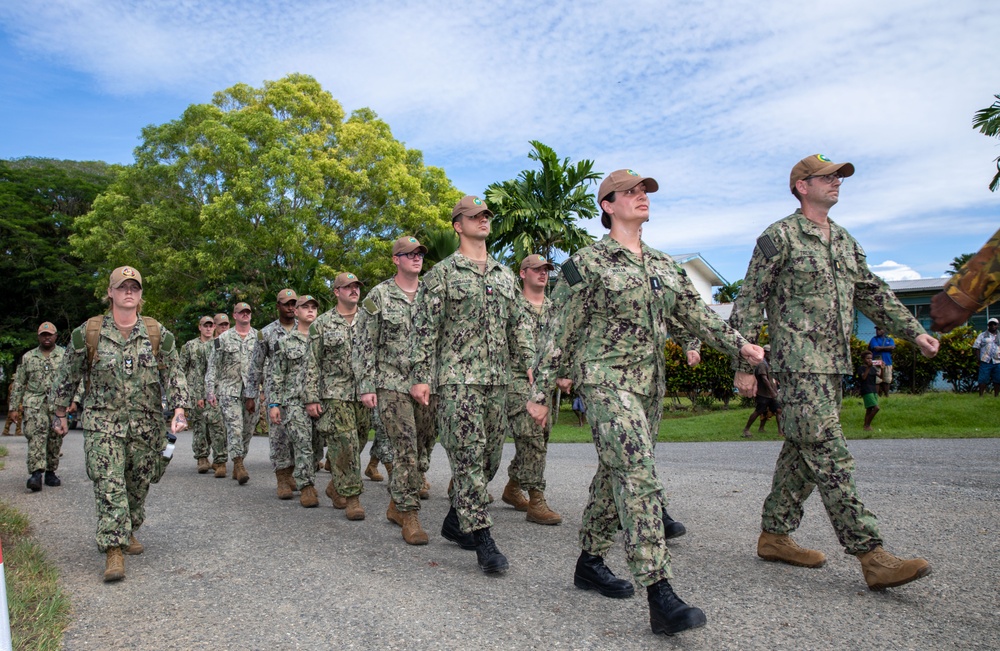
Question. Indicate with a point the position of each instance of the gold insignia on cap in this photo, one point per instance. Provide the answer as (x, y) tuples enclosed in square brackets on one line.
[(128, 271)]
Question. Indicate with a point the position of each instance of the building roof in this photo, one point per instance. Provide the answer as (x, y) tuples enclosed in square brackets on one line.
[(696, 260), (919, 285)]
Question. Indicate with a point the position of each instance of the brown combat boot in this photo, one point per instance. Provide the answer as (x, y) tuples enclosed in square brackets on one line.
[(512, 495), (883, 570), (371, 472), (780, 547), (203, 465), (308, 497), (114, 570), (393, 514), (220, 470), (354, 509), (339, 502), (413, 533), (284, 492), (538, 509), (239, 472), (425, 490), (134, 546)]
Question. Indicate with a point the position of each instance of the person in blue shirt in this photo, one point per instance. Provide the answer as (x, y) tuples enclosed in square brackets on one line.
[(882, 346)]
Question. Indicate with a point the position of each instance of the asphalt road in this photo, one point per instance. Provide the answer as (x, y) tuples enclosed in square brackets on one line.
[(230, 567)]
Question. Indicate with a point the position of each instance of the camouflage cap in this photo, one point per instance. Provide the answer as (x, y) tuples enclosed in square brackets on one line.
[(620, 180), (817, 165), (286, 295), (535, 261), (121, 274), (345, 279), (221, 318), (308, 298), (206, 319), (47, 327), (407, 244), (469, 206), (240, 307)]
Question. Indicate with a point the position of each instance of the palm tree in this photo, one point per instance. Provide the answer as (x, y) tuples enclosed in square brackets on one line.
[(537, 212), (440, 244), (727, 293), (987, 121), (958, 262)]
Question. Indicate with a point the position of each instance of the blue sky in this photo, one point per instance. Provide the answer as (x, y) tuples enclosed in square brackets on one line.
[(716, 100)]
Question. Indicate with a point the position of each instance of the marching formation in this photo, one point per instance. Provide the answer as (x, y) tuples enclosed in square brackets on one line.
[(469, 355)]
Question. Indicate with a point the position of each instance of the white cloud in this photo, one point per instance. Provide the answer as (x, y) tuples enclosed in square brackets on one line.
[(890, 270)]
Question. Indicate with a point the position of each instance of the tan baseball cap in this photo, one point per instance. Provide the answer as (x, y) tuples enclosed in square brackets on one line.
[(205, 319), (469, 206), (406, 244), (221, 318), (286, 295), (47, 327), (345, 279), (302, 300), (620, 180), (240, 307), (121, 274), (817, 165), (534, 261)]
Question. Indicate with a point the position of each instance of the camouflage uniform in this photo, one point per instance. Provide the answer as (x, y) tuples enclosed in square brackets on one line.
[(29, 389), (288, 371), (194, 364), (381, 445), (810, 289), (228, 379), (612, 311), (977, 283), (382, 366), (261, 368), (466, 329), (330, 382), (531, 442), (123, 429)]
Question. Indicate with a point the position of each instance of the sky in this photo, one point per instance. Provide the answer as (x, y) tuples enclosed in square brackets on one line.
[(715, 100)]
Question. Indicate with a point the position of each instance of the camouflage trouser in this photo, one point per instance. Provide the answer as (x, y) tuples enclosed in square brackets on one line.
[(382, 448), (298, 428), (239, 423), (281, 449), (472, 422), (531, 442), (215, 430), (815, 454), (43, 444), (198, 424), (121, 468), (408, 426), (625, 494), (339, 426), (425, 450)]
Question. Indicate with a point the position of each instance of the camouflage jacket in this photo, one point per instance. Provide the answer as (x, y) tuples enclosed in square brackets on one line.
[(382, 340), (34, 377), (467, 326), (228, 371), (288, 369), (977, 283), (125, 379), (194, 365), (536, 323), (329, 374), (262, 363), (612, 314), (807, 290)]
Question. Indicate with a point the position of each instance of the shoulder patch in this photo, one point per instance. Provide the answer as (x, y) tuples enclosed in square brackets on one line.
[(680, 270), (217, 343), (260, 335), (766, 246), (370, 306), (570, 273), (79, 339), (168, 342)]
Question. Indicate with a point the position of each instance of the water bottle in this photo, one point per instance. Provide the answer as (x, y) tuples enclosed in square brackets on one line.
[(168, 452)]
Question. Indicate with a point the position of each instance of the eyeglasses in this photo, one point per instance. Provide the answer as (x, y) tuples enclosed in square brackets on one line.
[(412, 255), (829, 179)]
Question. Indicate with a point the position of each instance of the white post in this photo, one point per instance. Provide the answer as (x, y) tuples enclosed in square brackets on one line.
[(5, 641)]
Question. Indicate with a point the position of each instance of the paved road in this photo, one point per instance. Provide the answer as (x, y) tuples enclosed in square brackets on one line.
[(233, 567)]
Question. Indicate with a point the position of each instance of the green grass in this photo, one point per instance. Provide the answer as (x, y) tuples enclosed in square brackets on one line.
[(39, 611), (931, 415)]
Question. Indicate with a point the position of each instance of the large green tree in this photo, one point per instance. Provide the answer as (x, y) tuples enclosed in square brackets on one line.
[(987, 120), (537, 212), (260, 189), (43, 280)]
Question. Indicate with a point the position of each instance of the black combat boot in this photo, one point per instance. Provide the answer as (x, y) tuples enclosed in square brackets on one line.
[(593, 574), (490, 559), (672, 528), (667, 613), (35, 481), (51, 479), (450, 530)]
